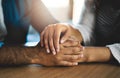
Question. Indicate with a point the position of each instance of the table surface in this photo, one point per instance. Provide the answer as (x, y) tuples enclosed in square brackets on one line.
[(94, 70)]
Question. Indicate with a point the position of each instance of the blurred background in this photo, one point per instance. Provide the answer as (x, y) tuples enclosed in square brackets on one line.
[(62, 10), (65, 10)]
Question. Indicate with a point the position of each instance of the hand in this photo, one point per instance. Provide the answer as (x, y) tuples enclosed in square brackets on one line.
[(72, 42), (55, 34), (68, 56)]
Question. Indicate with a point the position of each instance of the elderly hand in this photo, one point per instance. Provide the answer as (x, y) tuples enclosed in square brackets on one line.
[(68, 56)]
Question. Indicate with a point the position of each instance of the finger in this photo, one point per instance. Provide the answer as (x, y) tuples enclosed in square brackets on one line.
[(57, 34), (66, 63), (73, 38), (51, 45), (71, 58), (41, 39), (70, 43), (46, 41), (59, 30), (72, 51)]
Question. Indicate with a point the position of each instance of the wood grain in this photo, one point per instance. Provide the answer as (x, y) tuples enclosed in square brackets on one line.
[(81, 71)]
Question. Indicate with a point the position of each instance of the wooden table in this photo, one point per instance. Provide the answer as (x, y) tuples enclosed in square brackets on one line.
[(94, 70)]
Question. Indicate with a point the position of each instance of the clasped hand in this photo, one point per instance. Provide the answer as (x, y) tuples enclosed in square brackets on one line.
[(64, 42)]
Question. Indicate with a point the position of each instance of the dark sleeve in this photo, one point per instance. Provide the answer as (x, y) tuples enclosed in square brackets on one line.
[(16, 10), (17, 19)]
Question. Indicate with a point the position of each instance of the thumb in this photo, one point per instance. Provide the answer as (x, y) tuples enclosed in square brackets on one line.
[(65, 37)]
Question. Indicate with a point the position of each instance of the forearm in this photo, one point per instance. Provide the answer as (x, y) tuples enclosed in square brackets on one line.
[(41, 17), (17, 55)]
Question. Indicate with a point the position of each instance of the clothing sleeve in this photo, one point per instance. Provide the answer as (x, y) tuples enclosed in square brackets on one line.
[(86, 26), (17, 20), (115, 50), (87, 35), (17, 12), (2, 25), (86, 21)]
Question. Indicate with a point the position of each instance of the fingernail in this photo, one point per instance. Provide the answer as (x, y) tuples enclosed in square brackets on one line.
[(54, 53), (48, 51)]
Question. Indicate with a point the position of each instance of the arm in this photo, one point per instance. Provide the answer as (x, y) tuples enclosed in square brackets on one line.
[(40, 16), (17, 55)]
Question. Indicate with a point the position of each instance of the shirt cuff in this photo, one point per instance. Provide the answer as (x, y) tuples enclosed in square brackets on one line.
[(115, 50)]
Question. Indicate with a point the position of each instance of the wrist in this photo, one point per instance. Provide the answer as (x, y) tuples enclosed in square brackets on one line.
[(97, 54), (40, 56), (35, 54)]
